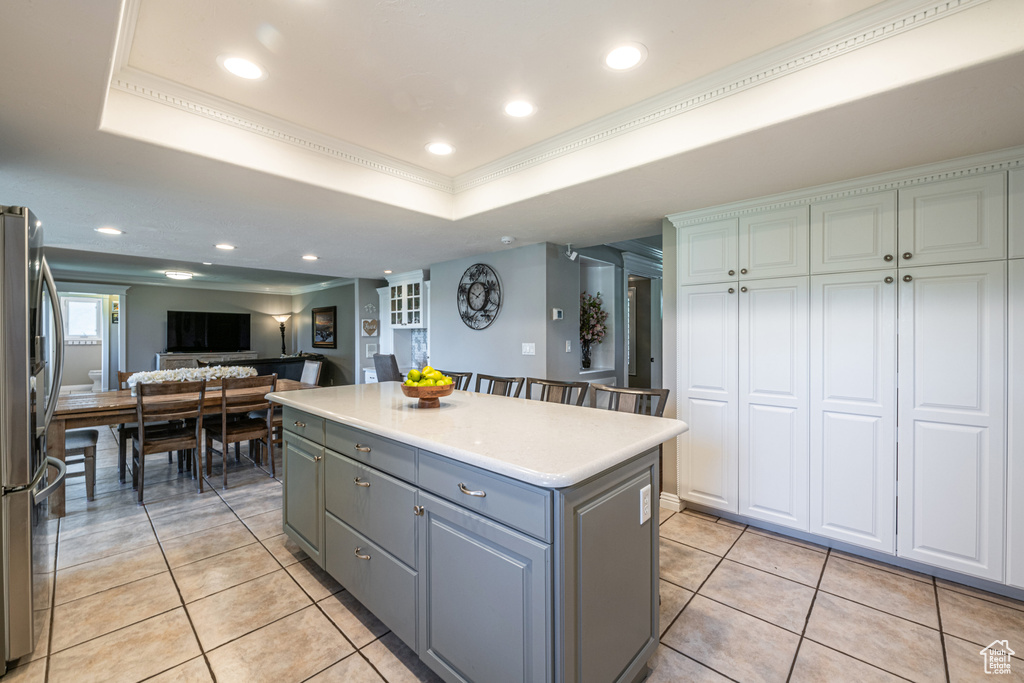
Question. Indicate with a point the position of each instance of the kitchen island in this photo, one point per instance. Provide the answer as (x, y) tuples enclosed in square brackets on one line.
[(501, 539)]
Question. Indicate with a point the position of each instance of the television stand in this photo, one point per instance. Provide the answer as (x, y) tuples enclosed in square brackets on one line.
[(171, 361)]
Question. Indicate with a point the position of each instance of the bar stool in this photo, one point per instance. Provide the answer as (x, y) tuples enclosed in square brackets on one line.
[(82, 443)]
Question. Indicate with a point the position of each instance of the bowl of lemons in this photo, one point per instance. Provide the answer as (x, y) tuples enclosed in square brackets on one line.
[(428, 385)]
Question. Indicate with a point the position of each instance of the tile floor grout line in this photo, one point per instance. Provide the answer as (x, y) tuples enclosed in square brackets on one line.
[(777, 576), (195, 633), (942, 635), (978, 597), (862, 661), (795, 542), (881, 566), (103, 557), (807, 618), (878, 609), (699, 663), (119, 628)]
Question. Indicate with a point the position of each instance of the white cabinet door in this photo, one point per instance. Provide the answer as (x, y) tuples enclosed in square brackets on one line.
[(853, 408), (773, 454), (1017, 213), (854, 233), (953, 221), (708, 252), (952, 464), (1015, 474), (706, 398), (775, 243)]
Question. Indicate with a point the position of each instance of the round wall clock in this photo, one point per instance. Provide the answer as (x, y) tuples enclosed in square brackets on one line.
[(479, 296)]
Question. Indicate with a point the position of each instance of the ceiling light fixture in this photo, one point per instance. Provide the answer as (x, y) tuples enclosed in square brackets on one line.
[(310, 257), (110, 231), (387, 272), (225, 247), (519, 108), (178, 274), (626, 56), (207, 263), (569, 253), (242, 68), (440, 148)]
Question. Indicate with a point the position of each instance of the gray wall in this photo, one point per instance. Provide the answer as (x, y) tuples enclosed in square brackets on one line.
[(496, 350), (339, 366), (79, 359), (145, 313), (563, 291), (366, 293)]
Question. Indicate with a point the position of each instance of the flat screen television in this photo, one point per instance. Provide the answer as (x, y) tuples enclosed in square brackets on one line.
[(196, 331)]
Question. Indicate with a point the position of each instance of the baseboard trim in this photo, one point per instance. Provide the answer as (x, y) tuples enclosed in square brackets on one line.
[(670, 501)]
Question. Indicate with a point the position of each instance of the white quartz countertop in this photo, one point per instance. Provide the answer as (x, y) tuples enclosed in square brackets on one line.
[(546, 444)]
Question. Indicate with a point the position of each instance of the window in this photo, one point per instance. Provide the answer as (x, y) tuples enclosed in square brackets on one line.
[(82, 317)]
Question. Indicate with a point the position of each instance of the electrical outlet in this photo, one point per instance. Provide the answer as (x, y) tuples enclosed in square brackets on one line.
[(529, 349), (645, 503), (568, 346)]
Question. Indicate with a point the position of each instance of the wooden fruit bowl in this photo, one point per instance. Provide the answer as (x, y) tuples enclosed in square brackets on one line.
[(429, 396)]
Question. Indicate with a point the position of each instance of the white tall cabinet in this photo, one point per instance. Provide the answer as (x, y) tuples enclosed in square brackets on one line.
[(854, 366), (952, 467)]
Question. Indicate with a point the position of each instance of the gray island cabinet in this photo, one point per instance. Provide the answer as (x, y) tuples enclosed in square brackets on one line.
[(501, 539)]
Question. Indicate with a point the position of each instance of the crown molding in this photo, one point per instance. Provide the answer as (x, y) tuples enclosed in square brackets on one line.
[(989, 162), (120, 284), (865, 28), (634, 264)]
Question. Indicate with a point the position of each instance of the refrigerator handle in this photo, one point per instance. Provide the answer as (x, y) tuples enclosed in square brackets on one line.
[(40, 496), (58, 330)]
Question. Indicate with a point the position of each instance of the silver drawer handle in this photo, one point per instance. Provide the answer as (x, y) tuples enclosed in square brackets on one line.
[(478, 494), (361, 483), (300, 424), (362, 449), (361, 557)]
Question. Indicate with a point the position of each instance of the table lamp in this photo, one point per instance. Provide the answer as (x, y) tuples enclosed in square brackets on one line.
[(282, 319)]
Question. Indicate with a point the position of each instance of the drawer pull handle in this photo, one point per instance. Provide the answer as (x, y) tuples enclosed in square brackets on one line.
[(731, 290), (888, 280), (732, 272), (317, 458), (907, 256), (888, 257), (361, 557), (478, 494), (907, 278), (300, 424), (417, 510), (362, 449), (361, 483)]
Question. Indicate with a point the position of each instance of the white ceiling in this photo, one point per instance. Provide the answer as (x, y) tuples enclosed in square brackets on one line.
[(131, 123)]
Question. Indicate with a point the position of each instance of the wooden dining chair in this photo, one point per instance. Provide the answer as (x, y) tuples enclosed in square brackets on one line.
[(459, 379), (311, 372), (387, 368), (126, 431), (630, 399), (557, 392), (239, 397), (170, 417), (499, 386)]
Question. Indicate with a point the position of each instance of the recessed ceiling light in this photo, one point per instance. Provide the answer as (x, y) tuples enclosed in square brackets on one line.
[(225, 247), (519, 108), (626, 56), (207, 263), (110, 231), (178, 274), (242, 67), (310, 257), (440, 148), (387, 272)]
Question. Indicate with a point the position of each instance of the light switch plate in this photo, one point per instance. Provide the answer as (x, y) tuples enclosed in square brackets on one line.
[(568, 346), (529, 349)]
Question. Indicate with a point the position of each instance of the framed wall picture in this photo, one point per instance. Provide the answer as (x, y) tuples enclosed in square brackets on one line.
[(325, 334)]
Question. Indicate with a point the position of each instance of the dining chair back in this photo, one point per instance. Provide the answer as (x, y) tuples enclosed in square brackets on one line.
[(500, 386), (170, 418), (629, 399), (556, 392), (311, 372), (387, 367), (125, 431), (239, 398), (122, 379), (80, 448), (459, 379)]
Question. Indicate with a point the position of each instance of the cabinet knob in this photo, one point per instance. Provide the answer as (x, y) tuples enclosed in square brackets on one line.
[(478, 494), (317, 458), (907, 278), (743, 271), (362, 449), (360, 556), (417, 510), (888, 280), (364, 484), (743, 289), (300, 424), (732, 272), (732, 291), (907, 256), (888, 257)]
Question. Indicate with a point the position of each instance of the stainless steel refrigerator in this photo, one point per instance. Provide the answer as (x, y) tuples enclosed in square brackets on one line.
[(31, 363)]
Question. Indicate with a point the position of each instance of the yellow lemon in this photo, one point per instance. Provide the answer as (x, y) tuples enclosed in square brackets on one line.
[(414, 375)]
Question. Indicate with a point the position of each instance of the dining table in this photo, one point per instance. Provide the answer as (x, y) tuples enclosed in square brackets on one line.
[(106, 408)]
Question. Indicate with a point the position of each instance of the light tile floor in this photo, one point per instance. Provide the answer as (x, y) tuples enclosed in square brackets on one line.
[(206, 587)]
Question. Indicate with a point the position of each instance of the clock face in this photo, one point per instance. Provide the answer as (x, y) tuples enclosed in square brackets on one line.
[(479, 296)]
